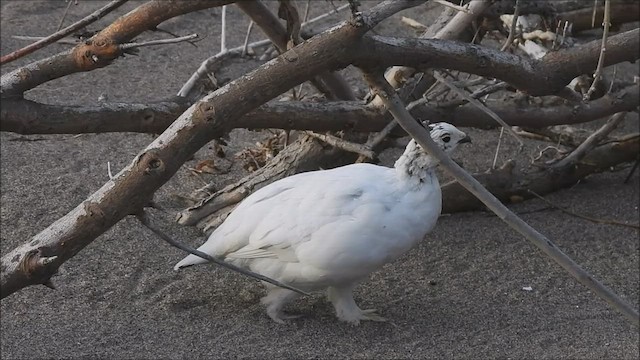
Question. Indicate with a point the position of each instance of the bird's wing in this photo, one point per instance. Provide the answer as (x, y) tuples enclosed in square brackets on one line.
[(275, 220)]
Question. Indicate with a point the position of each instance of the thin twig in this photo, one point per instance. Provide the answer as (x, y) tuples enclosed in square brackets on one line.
[(592, 219), (554, 44), (404, 118), (487, 90), (64, 15), (325, 15), (62, 33), (245, 46), (495, 157), (606, 23), (593, 15), (464, 9), (109, 170), (613, 78), (143, 217), (223, 32), (512, 29), (37, 38), (206, 65), (478, 104), (306, 13), (592, 140), (343, 144), (129, 46), (633, 169)]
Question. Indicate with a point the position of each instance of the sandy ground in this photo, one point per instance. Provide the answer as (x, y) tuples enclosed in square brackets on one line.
[(458, 295)]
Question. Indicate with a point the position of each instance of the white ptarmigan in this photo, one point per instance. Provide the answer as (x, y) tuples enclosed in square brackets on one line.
[(332, 228)]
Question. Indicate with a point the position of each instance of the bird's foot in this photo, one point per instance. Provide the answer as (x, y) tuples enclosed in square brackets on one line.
[(372, 315), (280, 316), (360, 315)]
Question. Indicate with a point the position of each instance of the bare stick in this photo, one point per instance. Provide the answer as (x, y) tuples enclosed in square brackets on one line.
[(245, 46), (606, 23), (129, 46), (495, 157), (306, 13), (633, 170), (489, 89), (37, 38), (343, 144), (593, 16), (64, 15), (325, 15), (223, 33), (478, 104), (464, 9), (143, 217), (592, 219), (512, 29), (613, 78), (206, 65), (404, 118), (109, 170), (592, 140), (62, 33)]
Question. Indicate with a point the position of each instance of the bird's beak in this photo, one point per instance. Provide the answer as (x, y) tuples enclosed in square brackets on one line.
[(466, 139)]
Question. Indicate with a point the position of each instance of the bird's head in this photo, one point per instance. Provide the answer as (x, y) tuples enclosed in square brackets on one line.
[(447, 136)]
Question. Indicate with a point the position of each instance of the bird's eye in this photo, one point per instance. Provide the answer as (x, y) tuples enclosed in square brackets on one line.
[(446, 138)]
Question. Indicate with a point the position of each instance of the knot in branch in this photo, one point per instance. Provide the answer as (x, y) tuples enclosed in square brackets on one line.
[(151, 163), (204, 112), (33, 264), (95, 54)]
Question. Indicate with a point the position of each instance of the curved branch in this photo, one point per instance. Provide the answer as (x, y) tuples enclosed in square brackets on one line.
[(27, 117), (102, 48)]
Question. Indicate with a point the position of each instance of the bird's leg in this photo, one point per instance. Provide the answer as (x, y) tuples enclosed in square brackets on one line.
[(346, 308), (275, 300)]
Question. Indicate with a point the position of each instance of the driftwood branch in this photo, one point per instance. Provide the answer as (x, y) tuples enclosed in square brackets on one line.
[(404, 118), (27, 117), (209, 118)]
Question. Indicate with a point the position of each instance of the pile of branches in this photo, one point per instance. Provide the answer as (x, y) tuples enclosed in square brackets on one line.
[(446, 73)]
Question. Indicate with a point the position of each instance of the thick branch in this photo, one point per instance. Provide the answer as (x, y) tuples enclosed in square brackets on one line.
[(101, 49), (28, 117), (536, 77)]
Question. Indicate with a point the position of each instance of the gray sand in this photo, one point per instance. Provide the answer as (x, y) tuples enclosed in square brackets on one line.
[(458, 295)]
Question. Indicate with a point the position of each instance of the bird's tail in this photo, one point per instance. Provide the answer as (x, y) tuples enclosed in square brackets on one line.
[(189, 261)]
